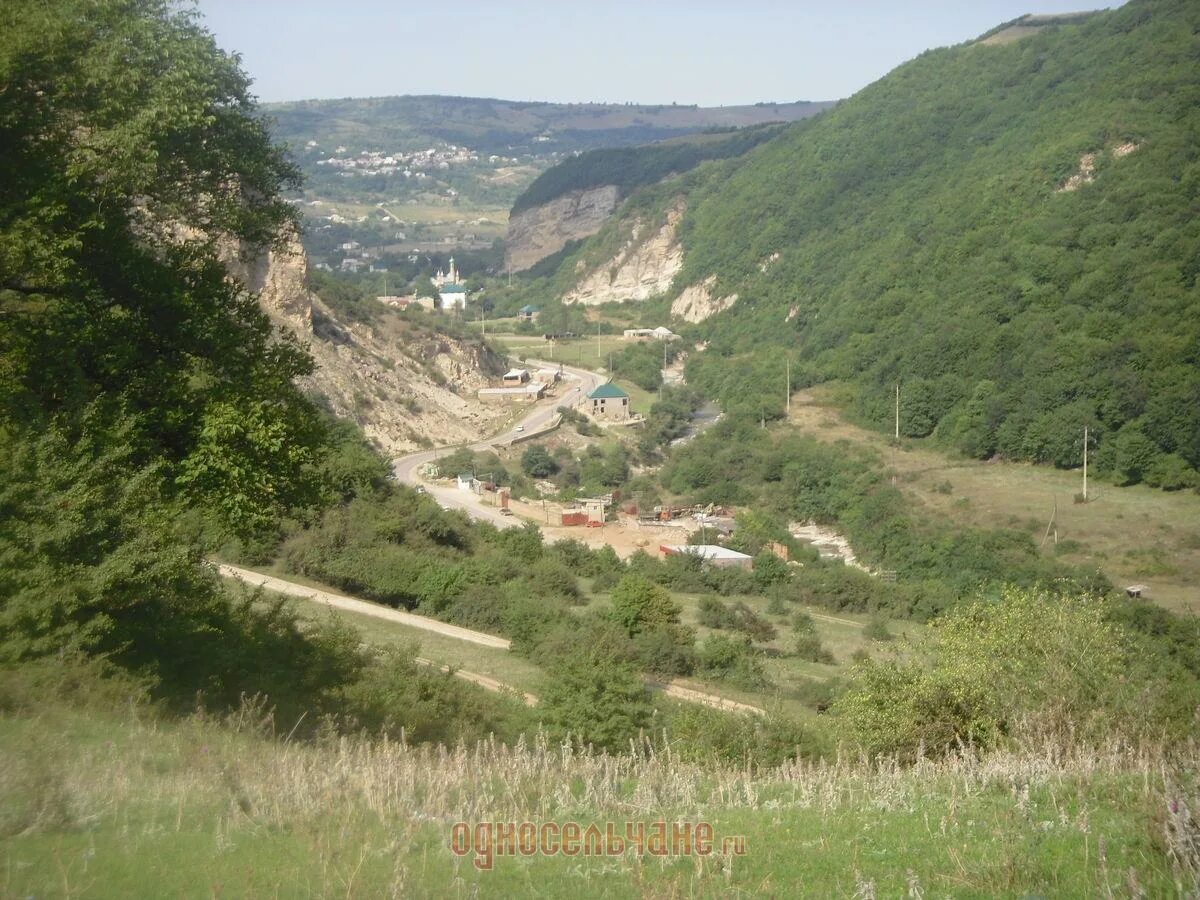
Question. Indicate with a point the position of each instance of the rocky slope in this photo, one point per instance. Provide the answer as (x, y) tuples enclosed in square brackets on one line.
[(536, 233), (644, 266), (406, 385)]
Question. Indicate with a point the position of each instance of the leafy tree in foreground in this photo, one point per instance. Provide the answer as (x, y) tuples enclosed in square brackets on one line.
[(134, 164), (141, 389)]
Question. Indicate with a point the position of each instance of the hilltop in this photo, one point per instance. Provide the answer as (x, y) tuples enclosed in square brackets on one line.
[(509, 127)]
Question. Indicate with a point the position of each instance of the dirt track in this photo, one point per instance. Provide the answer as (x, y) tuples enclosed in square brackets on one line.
[(257, 579), (363, 607)]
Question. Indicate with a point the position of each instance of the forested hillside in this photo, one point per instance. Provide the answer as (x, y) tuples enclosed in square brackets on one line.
[(1008, 232), (632, 167)]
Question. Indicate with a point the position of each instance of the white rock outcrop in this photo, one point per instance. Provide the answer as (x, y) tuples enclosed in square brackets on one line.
[(696, 303), (641, 269)]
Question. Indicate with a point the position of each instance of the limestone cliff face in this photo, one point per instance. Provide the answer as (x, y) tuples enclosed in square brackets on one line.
[(279, 277), (644, 267), (533, 234), (405, 385), (696, 303)]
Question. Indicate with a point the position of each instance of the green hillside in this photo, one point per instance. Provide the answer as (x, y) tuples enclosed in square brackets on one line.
[(924, 237), (633, 167)]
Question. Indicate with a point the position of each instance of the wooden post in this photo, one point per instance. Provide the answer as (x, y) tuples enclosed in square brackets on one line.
[(1085, 449), (897, 410)]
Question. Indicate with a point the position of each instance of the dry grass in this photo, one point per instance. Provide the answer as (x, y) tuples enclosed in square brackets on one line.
[(1135, 534), (136, 804)]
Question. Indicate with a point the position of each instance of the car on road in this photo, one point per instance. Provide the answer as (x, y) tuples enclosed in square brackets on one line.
[(505, 511), (519, 428)]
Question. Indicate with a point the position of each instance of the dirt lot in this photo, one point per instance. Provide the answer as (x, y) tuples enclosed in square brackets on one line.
[(625, 537)]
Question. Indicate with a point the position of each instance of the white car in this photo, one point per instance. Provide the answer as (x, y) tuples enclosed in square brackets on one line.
[(519, 428)]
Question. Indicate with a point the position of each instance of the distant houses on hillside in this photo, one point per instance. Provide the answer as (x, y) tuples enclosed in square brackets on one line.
[(661, 333)]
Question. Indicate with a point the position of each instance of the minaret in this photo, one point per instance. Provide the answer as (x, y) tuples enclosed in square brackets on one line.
[(452, 275)]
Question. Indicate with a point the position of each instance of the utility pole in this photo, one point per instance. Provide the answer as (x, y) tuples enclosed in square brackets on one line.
[(789, 385), (897, 410), (1085, 449)]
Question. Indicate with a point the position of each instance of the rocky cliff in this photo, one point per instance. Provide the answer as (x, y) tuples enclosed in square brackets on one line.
[(538, 232), (644, 266), (404, 383)]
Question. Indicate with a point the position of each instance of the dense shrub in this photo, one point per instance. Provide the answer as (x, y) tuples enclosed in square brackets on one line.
[(1027, 665)]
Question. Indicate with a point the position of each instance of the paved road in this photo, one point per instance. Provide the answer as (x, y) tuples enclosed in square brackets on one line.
[(579, 385)]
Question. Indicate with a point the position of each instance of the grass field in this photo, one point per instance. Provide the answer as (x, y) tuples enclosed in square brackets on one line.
[(841, 634), (123, 803), (1134, 535)]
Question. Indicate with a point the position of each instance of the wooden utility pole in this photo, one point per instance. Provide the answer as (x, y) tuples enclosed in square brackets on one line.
[(897, 410), (789, 386), (1085, 449)]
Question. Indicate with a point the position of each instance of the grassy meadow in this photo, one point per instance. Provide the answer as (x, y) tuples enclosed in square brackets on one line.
[(1133, 534), (106, 803)]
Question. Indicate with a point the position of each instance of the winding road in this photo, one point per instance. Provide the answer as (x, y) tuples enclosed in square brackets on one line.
[(405, 468), (674, 689)]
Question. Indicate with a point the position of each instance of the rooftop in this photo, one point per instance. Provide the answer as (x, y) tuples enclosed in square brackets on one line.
[(451, 288), (607, 391), (705, 551)]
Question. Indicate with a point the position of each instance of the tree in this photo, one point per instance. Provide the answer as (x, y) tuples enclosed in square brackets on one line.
[(537, 462), (136, 168), (639, 604), (594, 698)]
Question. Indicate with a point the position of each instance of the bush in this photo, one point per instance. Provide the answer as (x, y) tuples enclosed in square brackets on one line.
[(595, 699), (876, 629), (639, 604), (1027, 665), (731, 659)]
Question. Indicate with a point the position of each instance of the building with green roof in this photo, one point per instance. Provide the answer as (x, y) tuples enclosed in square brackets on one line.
[(609, 402)]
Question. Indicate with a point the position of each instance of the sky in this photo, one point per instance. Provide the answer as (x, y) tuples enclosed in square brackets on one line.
[(650, 51)]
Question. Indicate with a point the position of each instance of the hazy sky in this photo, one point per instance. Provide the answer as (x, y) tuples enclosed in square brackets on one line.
[(650, 51)]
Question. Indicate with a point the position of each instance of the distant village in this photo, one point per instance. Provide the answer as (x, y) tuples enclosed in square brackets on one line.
[(413, 164)]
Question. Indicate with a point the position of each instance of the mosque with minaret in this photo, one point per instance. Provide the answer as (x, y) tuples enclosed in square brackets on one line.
[(451, 291)]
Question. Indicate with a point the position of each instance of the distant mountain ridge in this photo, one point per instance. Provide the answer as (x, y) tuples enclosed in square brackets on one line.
[(509, 127)]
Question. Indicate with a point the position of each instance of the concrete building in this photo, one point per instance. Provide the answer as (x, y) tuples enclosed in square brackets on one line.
[(609, 402), (661, 333), (453, 297), (712, 554), (527, 313), (516, 377), (526, 393)]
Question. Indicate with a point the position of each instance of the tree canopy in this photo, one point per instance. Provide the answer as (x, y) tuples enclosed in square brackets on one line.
[(134, 167)]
